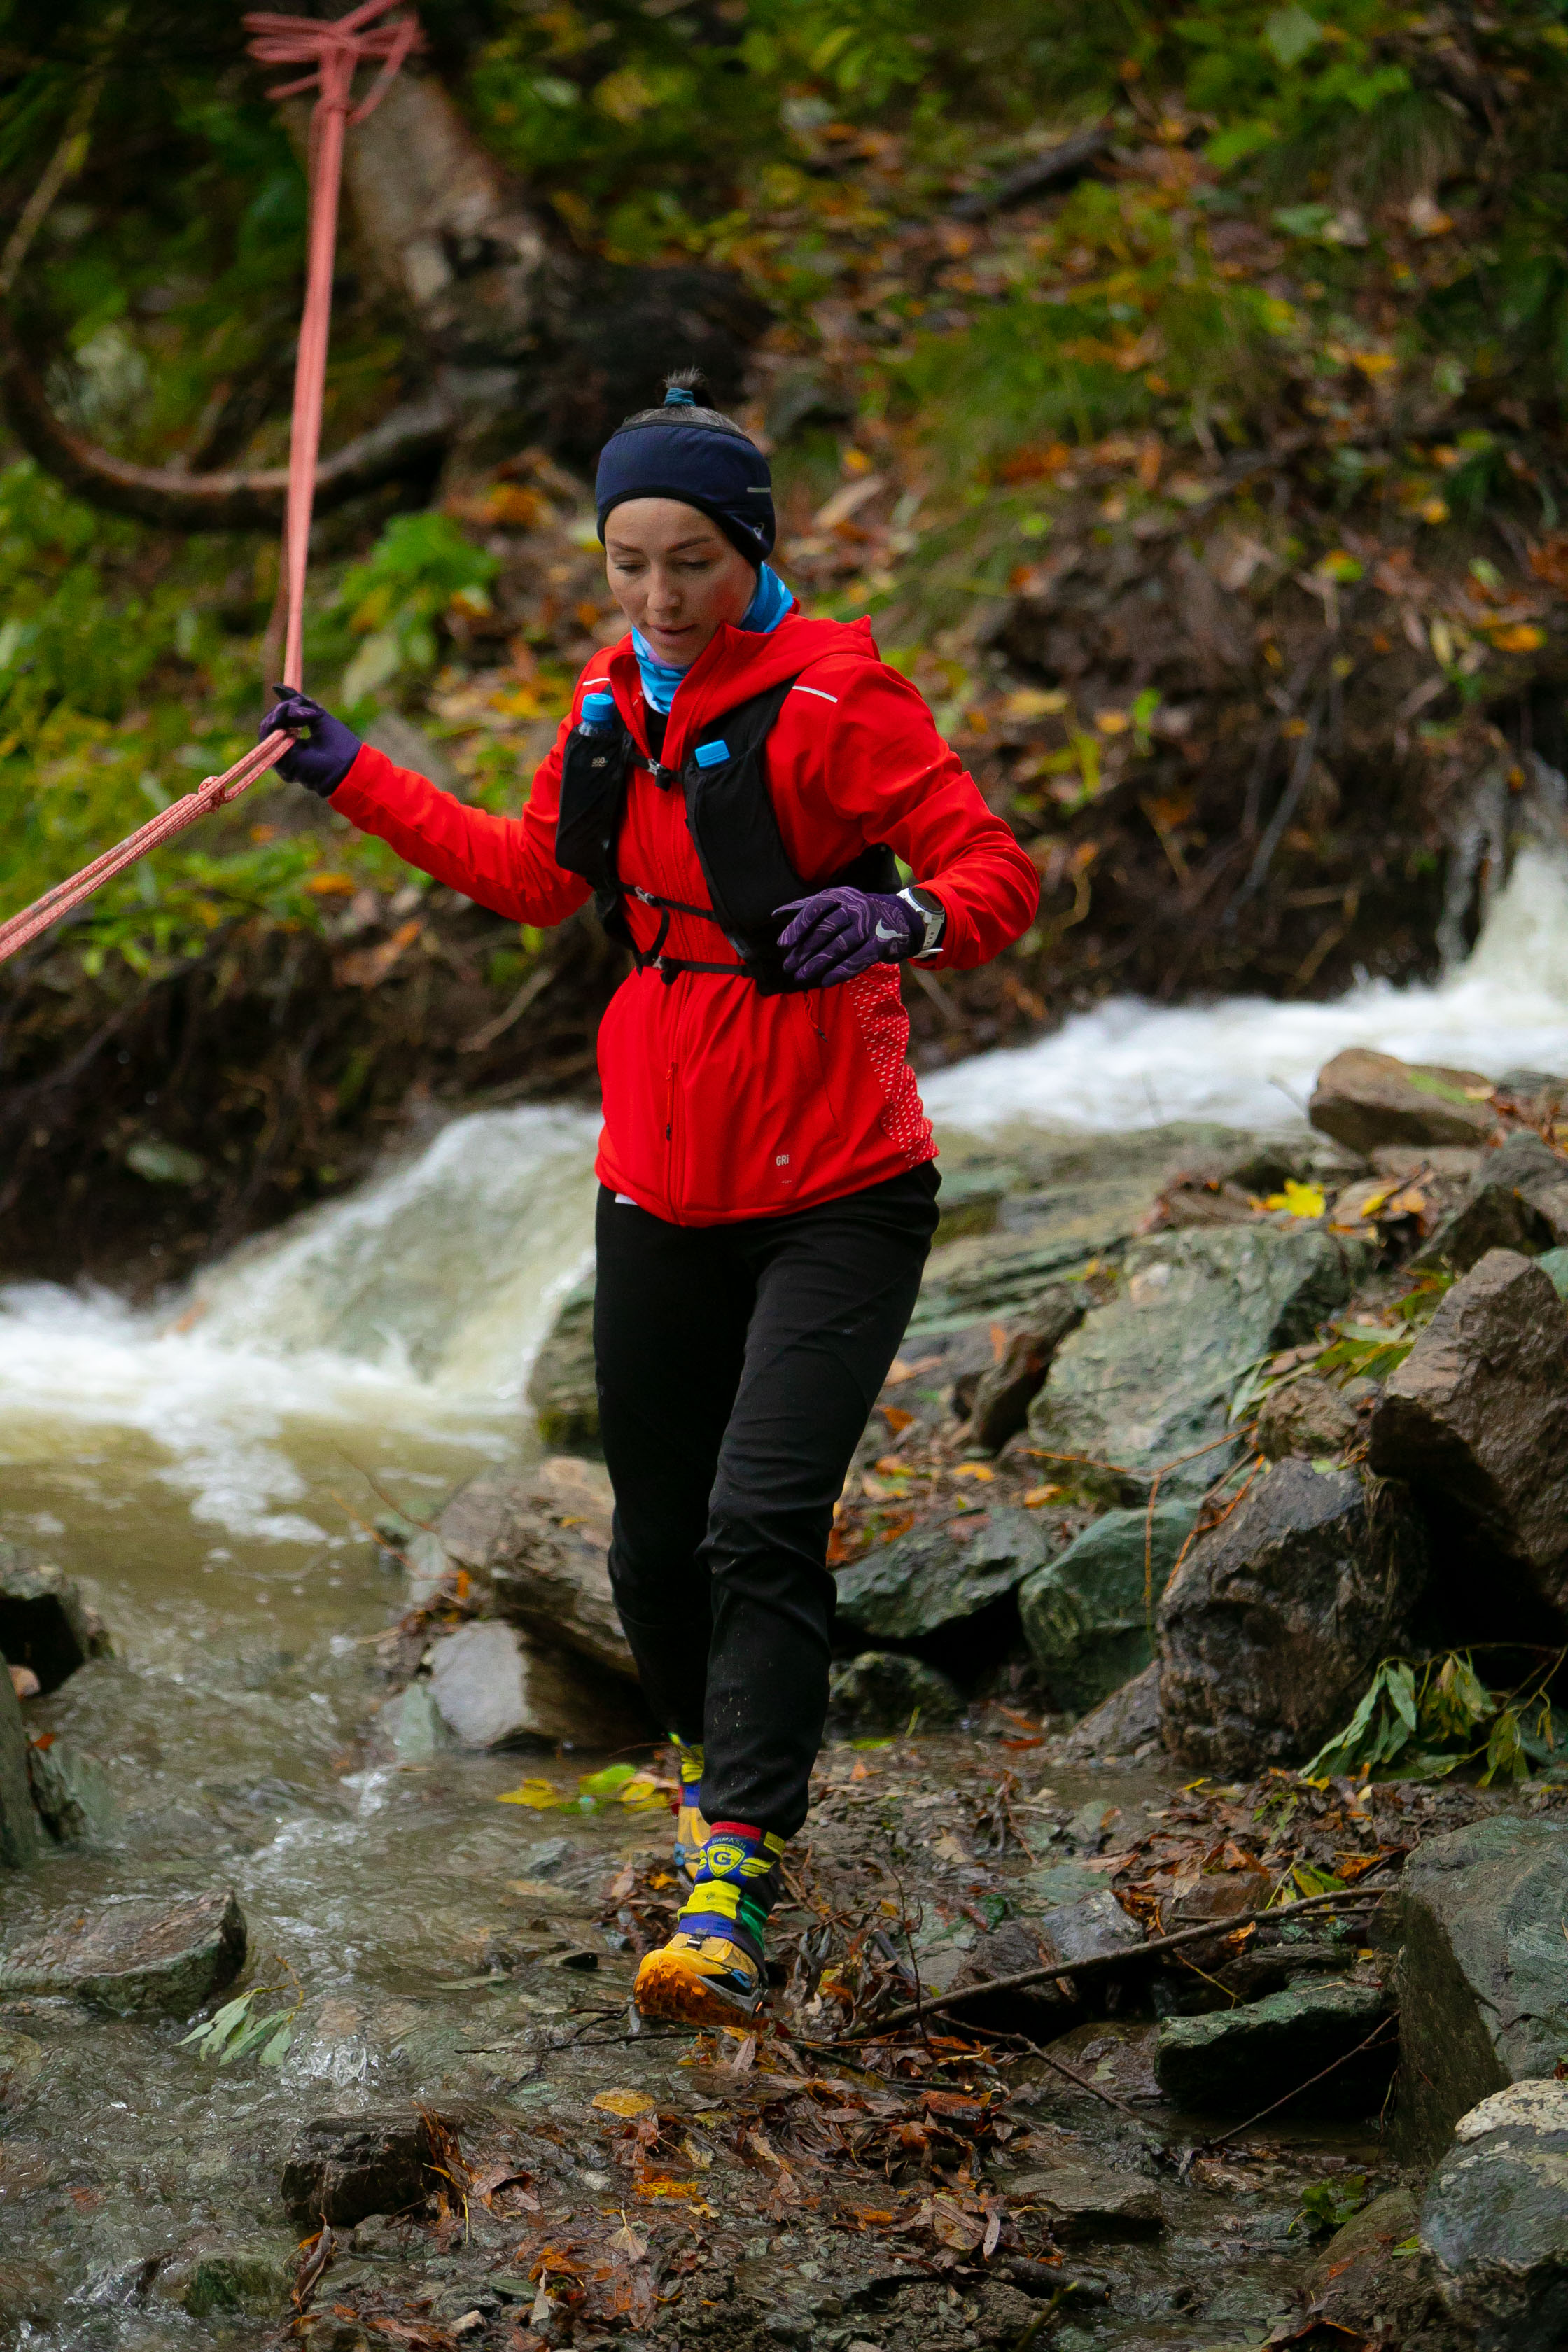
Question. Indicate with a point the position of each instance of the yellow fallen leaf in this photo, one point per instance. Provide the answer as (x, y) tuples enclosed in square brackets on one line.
[(1433, 510), (331, 886), (1034, 702), (1298, 1200), (537, 1793), (1113, 722), (1037, 1496), (1521, 638), (623, 2102)]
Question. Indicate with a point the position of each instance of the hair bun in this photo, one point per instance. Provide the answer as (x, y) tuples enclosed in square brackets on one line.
[(681, 387)]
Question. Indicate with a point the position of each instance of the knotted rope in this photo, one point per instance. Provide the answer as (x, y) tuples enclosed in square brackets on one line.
[(332, 51)]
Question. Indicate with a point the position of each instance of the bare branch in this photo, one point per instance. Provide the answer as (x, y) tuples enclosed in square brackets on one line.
[(412, 436)]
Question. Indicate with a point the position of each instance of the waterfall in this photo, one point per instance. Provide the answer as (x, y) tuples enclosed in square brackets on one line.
[(397, 1324), (1250, 1061)]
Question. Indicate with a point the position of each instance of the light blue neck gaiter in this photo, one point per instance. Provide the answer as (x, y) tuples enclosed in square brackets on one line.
[(762, 614)]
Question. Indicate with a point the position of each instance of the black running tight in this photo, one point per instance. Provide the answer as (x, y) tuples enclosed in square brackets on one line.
[(737, 1367)]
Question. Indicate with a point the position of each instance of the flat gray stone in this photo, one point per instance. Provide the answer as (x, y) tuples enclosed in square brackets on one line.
[(1239, 2060), (1483, 1972), (495, 1688), (166, 1956), (1086, 2205), (1088, 1614), (934, 1576), (1273, 1623), (1147, 1378)]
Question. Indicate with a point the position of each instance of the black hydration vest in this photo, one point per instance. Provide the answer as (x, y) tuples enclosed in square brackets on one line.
[(733, 829)]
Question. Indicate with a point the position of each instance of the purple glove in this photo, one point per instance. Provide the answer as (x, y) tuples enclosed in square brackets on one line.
[(324, 759), (837, 933)]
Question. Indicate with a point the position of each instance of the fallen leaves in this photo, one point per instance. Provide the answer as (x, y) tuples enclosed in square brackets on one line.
[(624, 2102)]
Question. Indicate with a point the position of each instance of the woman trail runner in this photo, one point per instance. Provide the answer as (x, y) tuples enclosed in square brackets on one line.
[(736, 787)]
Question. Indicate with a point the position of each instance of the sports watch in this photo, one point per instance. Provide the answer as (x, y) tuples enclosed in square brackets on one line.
[(932, 914)]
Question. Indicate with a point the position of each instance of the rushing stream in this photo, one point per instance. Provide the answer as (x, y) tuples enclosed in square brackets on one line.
[(209, 1467)]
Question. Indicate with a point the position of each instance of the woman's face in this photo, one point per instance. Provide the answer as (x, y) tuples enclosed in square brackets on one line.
[(675, 575)]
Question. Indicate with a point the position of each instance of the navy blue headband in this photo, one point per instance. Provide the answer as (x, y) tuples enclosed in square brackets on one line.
[(724, 475)]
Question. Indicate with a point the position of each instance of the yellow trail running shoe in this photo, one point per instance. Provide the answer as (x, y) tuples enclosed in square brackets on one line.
[(713, 1972)]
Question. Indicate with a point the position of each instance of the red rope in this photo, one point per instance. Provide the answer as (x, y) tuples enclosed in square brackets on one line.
[(332, 51)]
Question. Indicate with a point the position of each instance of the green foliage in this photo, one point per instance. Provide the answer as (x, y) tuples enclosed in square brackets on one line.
[(1373, 1350), (1422, 1726), (1329, 2204), (244, 2027), (419, 565), (120, 690)]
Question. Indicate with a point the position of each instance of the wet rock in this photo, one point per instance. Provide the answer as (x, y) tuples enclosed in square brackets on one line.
[(18, 1822), (1275, 1618), (416, 1725), (1310, 1417), (1483, 1973), (1068, 1913), (1517, 1200), (1362, 1099), (1118, 2058), (1477, 1419), (72, 1793), (1087, 1613), (562, 1387), (1495, 2220), (1361, 2285), (1126, 1724), (971, 1199), (541, 1537), (22, 2062), (158, 1956), (495, 1688), (44, 1624), (343, 2169), (1073, 1906), (1239, 2060), (1085, 2206), (1148, 1378), (256, 2279), (30, 2297), (1003, 1393), (882, 1690), (934, 1576), (1553, 1265)]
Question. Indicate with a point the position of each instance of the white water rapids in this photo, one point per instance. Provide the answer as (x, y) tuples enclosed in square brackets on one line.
[(390, 1332)]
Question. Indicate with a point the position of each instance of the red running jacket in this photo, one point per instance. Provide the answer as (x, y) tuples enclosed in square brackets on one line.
[(719, 1103)]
